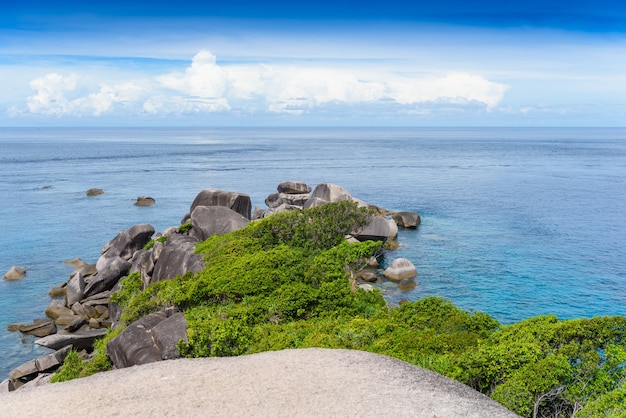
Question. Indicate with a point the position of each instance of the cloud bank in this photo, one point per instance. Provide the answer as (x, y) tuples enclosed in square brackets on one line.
[(208, 87)]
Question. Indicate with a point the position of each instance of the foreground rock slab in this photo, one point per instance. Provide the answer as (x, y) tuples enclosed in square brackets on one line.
[(290, 383)]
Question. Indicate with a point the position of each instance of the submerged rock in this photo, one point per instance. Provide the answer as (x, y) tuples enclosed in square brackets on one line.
[(145, 201), (15, 273), (406, 284), (94, 192)]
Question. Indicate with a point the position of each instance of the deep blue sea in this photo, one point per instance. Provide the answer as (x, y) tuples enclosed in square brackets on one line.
[(515, 222)]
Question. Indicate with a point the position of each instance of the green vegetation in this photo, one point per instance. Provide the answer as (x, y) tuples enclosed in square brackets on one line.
[(74, 366), (287, 282), (150, 243)]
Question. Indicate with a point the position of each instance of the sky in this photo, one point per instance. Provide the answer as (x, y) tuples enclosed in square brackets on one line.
[(322, 63)]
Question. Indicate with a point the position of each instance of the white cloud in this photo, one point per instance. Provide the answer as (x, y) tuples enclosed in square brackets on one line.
[(52, 90), (296, 88)]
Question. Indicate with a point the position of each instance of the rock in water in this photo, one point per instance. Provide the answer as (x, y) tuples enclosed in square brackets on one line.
[(406, 284), (145, 201), (400, 268), (94, 192), (407, 219), (15, 273)]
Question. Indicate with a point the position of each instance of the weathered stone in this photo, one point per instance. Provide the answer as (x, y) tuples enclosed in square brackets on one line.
[(98, 296), (15, 273), (393, 229), (23, 370), (406, 285), (134, 345), (40, 380), (85, 270), (400, 268), (66, 319), (145, 201), (78, 309), (368, 276), (215, 220), (277, 199), (57, 291), (107, 276), (282, 208), (96, 302), (90, 311), (75, 262), (314, 202), (177, 258), (239, 202), (331, 192), (57, 308), (103, 311), (13, 327), (75, 289), (80, 341), (168, 333), (125, 244), (366, 286), (75, 324), (94, 192), (40, 328), (377, 229), (53, 360), (407, 219), (94, 323), (293, 187)]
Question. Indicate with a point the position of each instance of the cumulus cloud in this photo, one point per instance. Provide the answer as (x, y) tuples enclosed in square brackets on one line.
[(52, 91), (207, 86)]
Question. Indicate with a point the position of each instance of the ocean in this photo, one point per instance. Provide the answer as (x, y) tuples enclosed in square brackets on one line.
[(516, 222)]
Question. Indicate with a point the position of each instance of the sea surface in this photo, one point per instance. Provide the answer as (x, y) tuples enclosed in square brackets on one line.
[(515, 222)]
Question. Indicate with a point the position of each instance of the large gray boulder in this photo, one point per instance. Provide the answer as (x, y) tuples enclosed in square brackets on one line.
[(215, 220), (294, 187), (400, 268), (108, 275), (331, 192), (177, 258), (239, 202), (80, 341), (407, 219), (377, 229), (126, 243), (75, 289), (149, 339)]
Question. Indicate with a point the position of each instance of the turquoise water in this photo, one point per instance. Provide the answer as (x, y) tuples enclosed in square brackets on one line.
[(515, 222)]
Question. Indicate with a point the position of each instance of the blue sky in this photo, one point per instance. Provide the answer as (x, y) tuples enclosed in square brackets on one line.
[(278, 63)]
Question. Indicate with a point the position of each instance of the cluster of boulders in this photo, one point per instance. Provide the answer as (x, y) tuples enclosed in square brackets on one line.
[(81, 310)]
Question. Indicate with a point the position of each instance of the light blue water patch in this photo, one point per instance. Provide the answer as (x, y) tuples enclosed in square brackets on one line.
[(515, 222)]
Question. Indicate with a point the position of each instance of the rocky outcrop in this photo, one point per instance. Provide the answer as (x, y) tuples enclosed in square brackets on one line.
[(377, 229), (15, 273), (39, 327), (239, 202), (125, 244), (151, 338), (215, 220), (177, 258), (108, 275)]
